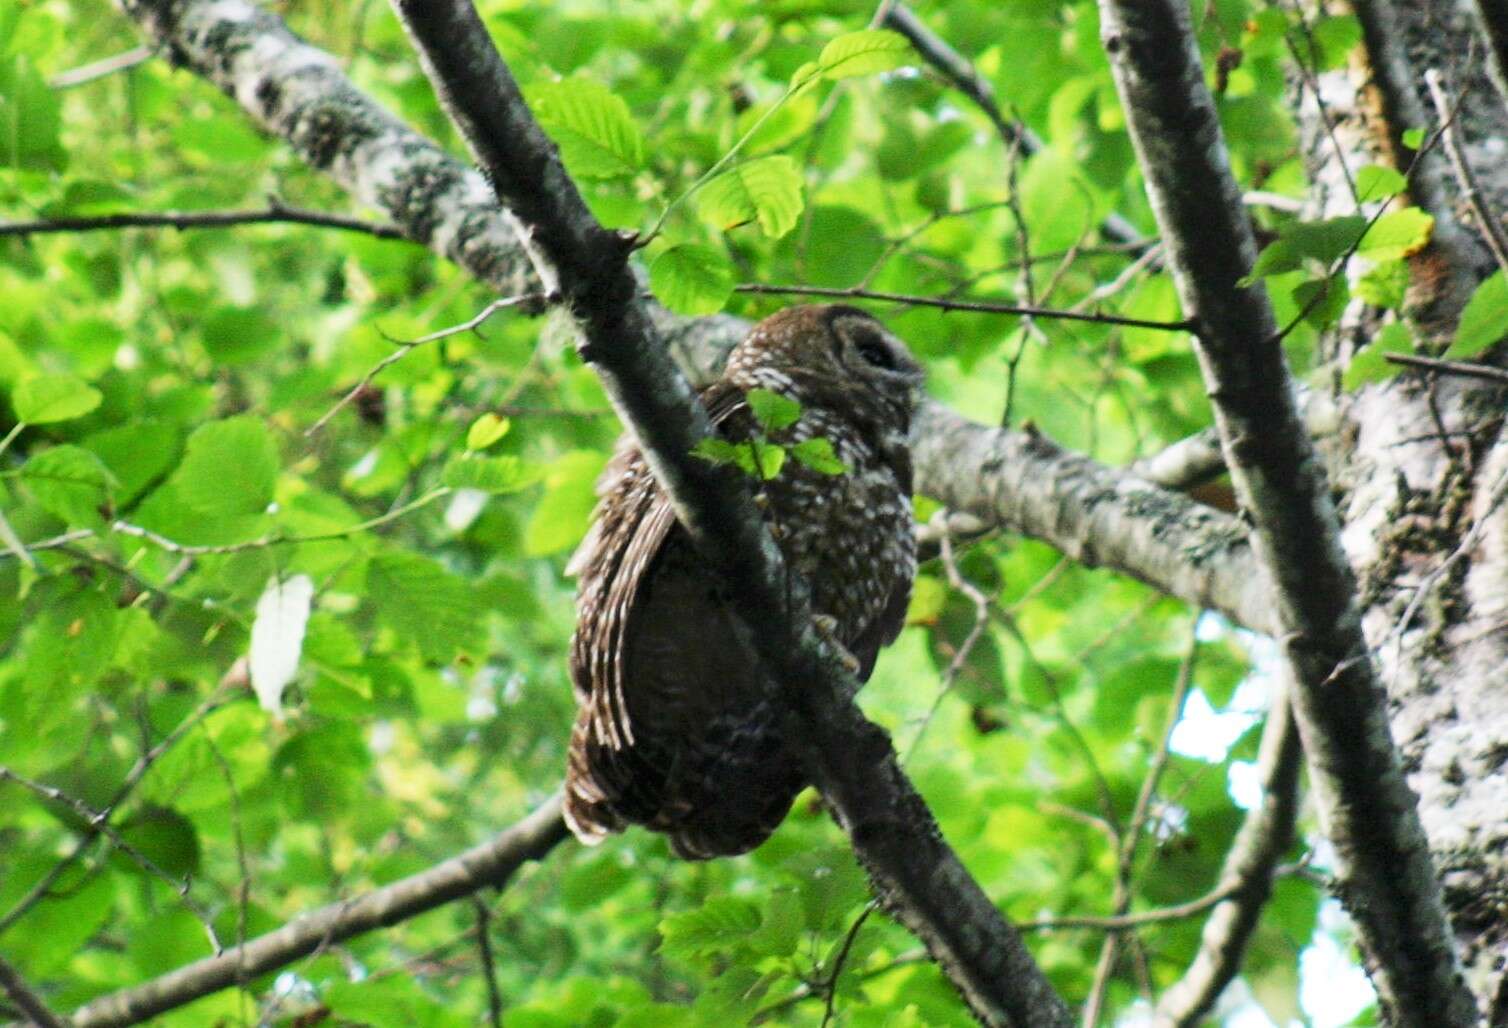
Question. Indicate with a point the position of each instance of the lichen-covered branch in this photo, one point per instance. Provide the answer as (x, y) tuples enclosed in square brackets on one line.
[(851, 759), (1385, 874), (1097, 516), (490, 864)]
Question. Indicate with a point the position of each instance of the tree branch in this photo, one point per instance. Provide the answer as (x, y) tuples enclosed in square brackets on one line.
[(26, 999), (276, 213), (1248, 873), (490, 864), (893, 833), (1386, 877)]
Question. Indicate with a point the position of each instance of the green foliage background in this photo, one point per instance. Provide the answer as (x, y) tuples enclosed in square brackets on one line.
[(170, 380)]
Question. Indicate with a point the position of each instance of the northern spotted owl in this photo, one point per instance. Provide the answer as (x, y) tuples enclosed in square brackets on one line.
[(675, 728)]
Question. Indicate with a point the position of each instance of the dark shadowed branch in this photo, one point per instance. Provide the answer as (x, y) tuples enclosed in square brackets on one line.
[(1248, 873), (274, 214), (26, 999), (894, 835), (1383, 861)]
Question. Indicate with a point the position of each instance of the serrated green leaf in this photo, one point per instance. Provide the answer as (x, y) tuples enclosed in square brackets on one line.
[(229, 467), (863, 53), (818, 455), (771, 410), (45, 399), (486, 430), (425, 604), (762, 460), (503, 474), (1370, 365), (1378, 182), (692, 279), (720, 923), (1485, 319), (1396, 235), (592, 125), (766, 190), (780, 927), (69, 483)]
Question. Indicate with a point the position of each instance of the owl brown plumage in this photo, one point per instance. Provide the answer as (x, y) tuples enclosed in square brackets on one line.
[(675, 728)]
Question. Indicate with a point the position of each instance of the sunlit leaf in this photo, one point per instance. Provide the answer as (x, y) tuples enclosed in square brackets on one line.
[(864, 53), (593, 127), (692, 279), (766, 190), (44, 399)]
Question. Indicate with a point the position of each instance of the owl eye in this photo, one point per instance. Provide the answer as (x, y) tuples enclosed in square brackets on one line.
[(873, 349)]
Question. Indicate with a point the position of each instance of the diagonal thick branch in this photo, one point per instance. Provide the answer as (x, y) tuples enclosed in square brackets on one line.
[(290, 88), (854, 766), (1385, 875)]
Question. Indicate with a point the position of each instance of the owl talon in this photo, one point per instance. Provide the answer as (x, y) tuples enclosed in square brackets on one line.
[(827, 627)]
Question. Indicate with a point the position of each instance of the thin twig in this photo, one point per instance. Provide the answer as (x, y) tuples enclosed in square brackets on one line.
[(830, 987), (976, 306), (26, 999), (489, 966), (407, 346), (98, 820), (163, 542), (1462, 368), (1491, 228), (274, 214), (101, 68)]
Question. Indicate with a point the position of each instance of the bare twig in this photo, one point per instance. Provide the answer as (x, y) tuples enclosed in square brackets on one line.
[(98, 820), (830, 986), (977, 306), (274, 214), (407, 346), (1248, 873), (26, 999), (1463, 368), (1489, 226), (489, 965), (101, 68)]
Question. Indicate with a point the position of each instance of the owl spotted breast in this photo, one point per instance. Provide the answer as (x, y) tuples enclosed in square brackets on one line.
[(676, 729)]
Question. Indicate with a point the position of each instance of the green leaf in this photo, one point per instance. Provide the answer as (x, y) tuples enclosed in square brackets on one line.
[(1384, 284), (766, 190), (29, 118), (720, 923), (239, 335), (818, 455), (863, 53), (165, 837), (779, 932), (1323, 241), (757, 460), (772, 410), (1396, 235), (1322, 299), (229, 467), (1413, 138), (1485, 319), (561, 517), (425, 604), (70, 483), (44, 399), (1378, 182), (692, 279), (486, 430), (505, 474), (1370, 364), (596, 134)]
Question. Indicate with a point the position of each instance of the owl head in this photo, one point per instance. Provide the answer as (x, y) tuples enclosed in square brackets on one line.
[(831, 356)]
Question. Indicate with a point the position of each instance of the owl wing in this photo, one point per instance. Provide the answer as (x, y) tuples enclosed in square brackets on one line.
[(612, 776)]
